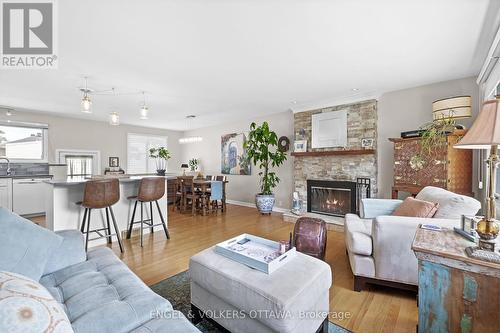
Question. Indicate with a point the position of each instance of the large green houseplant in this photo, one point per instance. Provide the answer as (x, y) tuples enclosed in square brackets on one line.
[(161, 155), (262, 150)]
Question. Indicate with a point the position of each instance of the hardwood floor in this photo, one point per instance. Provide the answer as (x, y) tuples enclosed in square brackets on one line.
[(375, 310)]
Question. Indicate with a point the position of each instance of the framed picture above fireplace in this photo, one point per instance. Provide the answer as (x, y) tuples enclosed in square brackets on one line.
[(329, 129)]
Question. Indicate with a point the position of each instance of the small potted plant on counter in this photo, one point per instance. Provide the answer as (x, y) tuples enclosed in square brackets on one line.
[(262, 149), (194, 164), (161, 154)]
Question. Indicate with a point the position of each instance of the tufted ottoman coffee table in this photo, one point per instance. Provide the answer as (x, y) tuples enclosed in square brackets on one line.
[(294, 298)]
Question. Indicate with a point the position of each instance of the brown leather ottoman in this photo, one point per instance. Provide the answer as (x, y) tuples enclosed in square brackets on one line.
[(309, 236)]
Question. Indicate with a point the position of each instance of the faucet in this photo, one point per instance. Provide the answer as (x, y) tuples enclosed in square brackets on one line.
[(8, 165)]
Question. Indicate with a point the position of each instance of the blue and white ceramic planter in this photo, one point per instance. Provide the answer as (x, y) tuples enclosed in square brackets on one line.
[(265, 203)]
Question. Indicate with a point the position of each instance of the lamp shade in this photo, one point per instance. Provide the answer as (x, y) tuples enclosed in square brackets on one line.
[(485, 132), (184, 166), (458, 107)]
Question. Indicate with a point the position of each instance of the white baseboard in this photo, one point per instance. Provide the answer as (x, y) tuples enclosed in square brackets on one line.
[(252, 205)]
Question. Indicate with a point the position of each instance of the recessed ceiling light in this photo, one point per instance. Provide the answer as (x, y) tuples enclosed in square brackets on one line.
[(294, 102), (355, 89)]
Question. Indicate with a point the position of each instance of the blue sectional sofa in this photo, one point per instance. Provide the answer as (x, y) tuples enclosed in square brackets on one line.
[(96, 290)]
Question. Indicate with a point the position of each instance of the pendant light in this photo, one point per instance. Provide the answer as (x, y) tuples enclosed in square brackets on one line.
[(144, 109), (190, 139), (86, 104), (114, 119)]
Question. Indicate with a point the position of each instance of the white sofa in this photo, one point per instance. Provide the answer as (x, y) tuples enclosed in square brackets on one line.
[(379, 245)]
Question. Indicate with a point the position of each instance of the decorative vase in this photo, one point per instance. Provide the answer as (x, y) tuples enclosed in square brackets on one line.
[(160, 172), (264, 203)]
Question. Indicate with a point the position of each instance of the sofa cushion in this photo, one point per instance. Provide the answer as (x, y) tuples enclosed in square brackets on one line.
[(103, 295), (451, 205), (70, 252), (358, 235), (24, 247), (416, 208), (26, 306)]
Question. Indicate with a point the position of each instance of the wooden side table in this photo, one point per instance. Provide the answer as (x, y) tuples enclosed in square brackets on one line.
[(456, 293)]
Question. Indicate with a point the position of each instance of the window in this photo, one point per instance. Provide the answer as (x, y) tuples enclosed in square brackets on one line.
[(23, 141), (138, 145), (80, 163)]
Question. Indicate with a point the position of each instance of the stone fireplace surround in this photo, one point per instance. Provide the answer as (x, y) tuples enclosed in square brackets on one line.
[(361, 123)]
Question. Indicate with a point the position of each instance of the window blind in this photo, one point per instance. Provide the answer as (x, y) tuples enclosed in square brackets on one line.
[(138, 145)]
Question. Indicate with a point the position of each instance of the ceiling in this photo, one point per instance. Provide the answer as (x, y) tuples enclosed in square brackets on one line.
[(224, 60)]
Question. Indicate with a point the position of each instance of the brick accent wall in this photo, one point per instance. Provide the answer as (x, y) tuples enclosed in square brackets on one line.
[(361, 123)]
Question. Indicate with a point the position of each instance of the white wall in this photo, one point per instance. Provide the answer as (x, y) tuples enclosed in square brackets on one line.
[(71, 133), (407, 109), (243, 188)]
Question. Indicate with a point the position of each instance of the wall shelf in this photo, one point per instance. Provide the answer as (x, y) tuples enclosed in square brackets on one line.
[(335, 152)]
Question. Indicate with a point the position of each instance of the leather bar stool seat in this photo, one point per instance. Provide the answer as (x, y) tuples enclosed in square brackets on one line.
[(151, 189), (99, 194), (309, 236)]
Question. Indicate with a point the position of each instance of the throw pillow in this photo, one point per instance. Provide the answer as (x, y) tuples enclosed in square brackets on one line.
[(26, 306), (416, 208), (24, 246)]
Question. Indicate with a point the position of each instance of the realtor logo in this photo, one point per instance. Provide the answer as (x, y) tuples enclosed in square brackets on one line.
[(28, 34)]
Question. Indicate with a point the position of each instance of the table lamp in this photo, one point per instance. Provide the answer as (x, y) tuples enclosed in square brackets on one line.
[(485, 134), (184, 167)]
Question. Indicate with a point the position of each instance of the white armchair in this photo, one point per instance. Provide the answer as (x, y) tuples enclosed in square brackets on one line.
[(379, 245)]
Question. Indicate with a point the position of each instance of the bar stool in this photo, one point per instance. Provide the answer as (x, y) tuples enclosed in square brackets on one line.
[(150, 189), (100, 194)]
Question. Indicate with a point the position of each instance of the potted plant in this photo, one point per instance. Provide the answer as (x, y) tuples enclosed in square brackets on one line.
[(194, 163), (262, 150), (161, 154)]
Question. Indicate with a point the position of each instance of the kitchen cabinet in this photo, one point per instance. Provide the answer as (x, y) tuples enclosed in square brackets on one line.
[(28, 196), (6, 193)]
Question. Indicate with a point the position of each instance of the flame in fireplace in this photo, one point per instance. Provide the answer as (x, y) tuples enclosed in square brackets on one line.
[(333, 201)]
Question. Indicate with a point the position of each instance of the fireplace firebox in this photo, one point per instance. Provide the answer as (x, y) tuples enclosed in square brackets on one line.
[(336, 198)]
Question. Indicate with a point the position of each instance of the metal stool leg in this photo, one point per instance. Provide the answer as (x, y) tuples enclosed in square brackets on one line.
[(116, 229), (162, 221), (142, 220), (88, 227), (151, 214), (129, 232), (82, 227), (108, 227)]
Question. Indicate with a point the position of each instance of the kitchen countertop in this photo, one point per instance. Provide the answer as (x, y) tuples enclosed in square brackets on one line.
[(25, 176), (121, 178)]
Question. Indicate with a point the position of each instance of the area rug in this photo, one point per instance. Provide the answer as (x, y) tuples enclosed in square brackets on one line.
[(177, 290)]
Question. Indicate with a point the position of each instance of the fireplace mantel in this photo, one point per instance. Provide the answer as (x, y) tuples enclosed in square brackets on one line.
[(335, 152)]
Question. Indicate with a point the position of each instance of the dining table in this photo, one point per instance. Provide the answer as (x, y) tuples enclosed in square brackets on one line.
[(203, 185)]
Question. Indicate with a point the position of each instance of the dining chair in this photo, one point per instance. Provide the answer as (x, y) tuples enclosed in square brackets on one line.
[(189, 194), (177, 194)]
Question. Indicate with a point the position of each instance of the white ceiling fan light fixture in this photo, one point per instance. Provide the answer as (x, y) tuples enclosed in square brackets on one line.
[(190, 139), (144, 108), (86, 103)]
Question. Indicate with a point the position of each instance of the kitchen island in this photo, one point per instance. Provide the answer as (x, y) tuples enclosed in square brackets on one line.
[(62, 212)]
